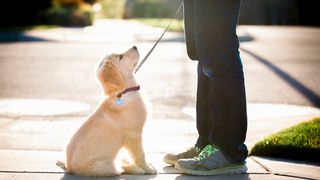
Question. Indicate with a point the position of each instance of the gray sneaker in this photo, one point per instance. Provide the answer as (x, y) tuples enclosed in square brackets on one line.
[(191, 152), (210, 161)]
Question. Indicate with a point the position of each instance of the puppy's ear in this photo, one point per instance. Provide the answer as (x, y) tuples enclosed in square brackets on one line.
[(112, 78)]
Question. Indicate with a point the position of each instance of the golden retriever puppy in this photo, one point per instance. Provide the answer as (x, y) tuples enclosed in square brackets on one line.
[(116, 123)]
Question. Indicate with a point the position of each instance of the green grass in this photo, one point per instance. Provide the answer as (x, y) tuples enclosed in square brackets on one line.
[(27, 28), (300, 142), (176, 26)]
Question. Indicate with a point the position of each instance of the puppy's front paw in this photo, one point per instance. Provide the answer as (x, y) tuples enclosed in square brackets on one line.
[(150, 169), (133, 169)]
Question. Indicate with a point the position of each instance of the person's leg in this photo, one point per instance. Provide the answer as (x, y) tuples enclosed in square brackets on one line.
[(217, 48), (228, 108), (203, 114)]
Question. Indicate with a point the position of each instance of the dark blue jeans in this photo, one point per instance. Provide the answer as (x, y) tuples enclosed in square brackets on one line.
[(221, 98)]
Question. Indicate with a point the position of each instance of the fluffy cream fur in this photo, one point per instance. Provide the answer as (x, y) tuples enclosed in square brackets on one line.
[(95, 145)]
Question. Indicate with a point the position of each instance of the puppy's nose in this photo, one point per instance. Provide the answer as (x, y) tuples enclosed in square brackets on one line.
[(134, 47)]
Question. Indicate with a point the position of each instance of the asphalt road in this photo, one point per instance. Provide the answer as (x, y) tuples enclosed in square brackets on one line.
[(52, 72), (281, 66)]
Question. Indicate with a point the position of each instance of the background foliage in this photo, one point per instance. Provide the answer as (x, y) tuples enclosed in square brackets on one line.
[(69, 13), (80, 13), (111, 9)]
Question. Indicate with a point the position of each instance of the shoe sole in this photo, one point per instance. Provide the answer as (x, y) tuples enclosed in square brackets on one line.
[(168, 161), (240, 169)]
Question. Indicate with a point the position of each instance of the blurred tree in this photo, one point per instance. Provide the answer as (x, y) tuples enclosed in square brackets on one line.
[(269, 12), (68, 2), (308, 12), (91, 1), (20, 13), (275, 12), (111, 9), (151, 8), (279, 12), (69, 13)]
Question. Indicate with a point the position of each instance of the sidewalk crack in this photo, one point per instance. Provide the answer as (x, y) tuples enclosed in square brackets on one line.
[(262, 165)]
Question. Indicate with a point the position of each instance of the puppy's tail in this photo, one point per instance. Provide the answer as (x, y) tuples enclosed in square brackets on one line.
[(62, 165)]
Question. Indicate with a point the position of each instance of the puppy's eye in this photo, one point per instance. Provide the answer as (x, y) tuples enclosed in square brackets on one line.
[(120, 57)]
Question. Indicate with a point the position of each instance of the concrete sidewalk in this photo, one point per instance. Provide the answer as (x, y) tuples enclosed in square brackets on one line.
[(31, 165), (30, 147)]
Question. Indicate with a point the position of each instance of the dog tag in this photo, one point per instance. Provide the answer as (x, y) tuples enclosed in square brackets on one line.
[(119, 102)]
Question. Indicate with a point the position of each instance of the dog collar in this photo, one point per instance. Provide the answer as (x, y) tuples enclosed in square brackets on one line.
[(135, 88)]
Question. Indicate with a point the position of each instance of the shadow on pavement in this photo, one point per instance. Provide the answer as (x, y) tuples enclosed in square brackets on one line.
[(147, 177), (6, 37), (122, 177), (302, 89), (216, 177), (180, 38), (245, 38)]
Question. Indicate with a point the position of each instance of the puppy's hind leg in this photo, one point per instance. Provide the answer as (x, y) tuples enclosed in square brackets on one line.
[(99, 169)]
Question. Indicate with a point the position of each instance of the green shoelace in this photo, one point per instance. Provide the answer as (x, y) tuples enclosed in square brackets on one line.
[(206, 152)]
